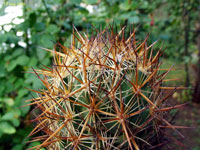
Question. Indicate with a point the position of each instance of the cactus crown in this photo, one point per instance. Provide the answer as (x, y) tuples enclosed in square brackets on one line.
[(103, 92)]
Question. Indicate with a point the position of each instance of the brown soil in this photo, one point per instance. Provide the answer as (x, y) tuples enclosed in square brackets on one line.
[(188, 116)]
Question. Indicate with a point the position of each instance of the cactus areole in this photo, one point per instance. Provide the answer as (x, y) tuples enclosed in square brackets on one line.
[(101, 93)]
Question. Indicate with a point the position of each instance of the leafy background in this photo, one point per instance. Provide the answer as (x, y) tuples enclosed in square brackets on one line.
[(45, 22)]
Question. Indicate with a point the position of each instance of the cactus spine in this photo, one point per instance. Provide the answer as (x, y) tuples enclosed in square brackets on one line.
[(103, 92)]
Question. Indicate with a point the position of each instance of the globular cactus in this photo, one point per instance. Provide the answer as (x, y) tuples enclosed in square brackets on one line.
[(102, 93)]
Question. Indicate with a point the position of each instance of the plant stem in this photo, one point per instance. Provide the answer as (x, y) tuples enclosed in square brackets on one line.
[(186, 19), (26, 31), (48, 11), (196, 95)]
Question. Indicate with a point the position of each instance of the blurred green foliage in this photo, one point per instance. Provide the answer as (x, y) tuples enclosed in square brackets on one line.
[(48, 22)]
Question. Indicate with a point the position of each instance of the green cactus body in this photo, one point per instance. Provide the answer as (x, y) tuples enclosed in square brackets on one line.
[(101, 93)]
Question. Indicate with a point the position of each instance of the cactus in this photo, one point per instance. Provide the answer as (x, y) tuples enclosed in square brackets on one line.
[(103, 92)]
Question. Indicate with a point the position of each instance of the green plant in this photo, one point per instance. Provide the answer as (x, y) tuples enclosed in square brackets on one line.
[(183, 96), (103, 92)]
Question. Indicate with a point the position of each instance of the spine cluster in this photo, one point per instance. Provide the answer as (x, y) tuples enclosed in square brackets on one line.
[(102, 93)]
